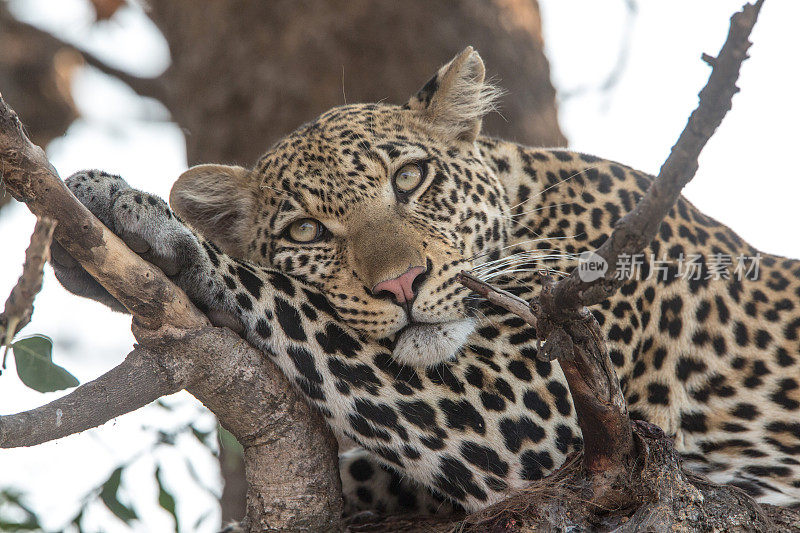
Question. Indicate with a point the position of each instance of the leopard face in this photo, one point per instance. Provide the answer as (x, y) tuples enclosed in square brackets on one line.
[(380, 206)]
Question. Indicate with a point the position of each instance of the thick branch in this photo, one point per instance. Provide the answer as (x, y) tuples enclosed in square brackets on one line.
[(29, 177), (141, 378), (290, 453)]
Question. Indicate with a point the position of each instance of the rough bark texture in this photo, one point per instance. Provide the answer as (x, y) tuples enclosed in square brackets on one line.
[(19, 305), (291, 485), (246, 391)]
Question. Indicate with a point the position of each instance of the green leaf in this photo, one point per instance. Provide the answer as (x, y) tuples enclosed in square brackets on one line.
[(13, 525), (165, 499), (35, 366), (109, 496), (227, 440)]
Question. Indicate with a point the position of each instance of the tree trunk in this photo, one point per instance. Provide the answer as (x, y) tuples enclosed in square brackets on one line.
[(246, 73)]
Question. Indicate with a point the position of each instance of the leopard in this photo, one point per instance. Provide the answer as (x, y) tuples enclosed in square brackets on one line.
[(338, 255)]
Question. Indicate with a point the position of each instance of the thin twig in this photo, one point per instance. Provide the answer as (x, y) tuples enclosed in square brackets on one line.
[(19, 305), (149, 87), (504, 299), (636, 229)]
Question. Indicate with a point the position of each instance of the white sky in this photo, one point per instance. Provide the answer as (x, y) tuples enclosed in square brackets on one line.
[(747, 179)]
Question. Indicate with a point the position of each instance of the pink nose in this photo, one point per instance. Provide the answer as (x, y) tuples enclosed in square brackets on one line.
[(400, 286)]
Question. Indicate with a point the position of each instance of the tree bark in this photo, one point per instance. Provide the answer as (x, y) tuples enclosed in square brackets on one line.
[(247, 392), (19, 305)]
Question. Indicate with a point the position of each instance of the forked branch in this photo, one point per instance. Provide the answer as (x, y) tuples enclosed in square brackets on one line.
[(560, 314), (179, 349), (636, 229)]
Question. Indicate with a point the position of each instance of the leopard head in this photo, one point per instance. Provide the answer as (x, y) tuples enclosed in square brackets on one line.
[(379, 205)]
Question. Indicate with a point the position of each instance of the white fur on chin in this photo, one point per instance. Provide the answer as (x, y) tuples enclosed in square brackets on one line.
[(426, 345)]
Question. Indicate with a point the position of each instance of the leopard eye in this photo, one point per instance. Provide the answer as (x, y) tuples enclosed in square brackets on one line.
[(408, 178), (305, 230)]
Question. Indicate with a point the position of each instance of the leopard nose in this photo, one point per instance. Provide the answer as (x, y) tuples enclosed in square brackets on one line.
[(402, 287)]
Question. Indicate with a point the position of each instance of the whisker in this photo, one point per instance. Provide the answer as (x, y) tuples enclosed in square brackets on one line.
[(530, 255), (530, 265), (512, 271), (542, 208), (538, 239), (285, 193), (540, 193), (526, 256), (566, 179)]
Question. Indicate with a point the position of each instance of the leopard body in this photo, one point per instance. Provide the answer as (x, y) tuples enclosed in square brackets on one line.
[(444, 393)]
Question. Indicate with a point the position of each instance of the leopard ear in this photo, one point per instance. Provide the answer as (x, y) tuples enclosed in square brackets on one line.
[(218, 201), (455, 100)]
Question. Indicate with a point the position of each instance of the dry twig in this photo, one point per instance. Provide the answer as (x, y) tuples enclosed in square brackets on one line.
[(19, 305), (560, 314), (292, 471)]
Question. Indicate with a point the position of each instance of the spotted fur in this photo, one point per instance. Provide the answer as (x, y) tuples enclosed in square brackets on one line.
[(445, 395)]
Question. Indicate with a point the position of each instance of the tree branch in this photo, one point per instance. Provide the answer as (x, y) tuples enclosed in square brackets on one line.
[(30, 178), (290, 454), (150, 87), (19, 305), (141, 378), (636, 229), (559, 313)]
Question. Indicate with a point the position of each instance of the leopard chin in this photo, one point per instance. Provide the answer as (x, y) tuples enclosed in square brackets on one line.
[(424, 345)]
